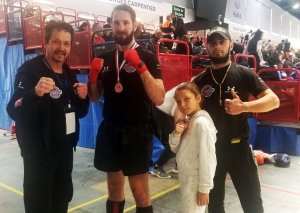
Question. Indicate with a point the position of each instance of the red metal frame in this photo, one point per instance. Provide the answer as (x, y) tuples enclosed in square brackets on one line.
[(62, 9), (88, 34), (236, 56), (101, 21), (194, 72), (2, 18), (42, 6), (278, 114), (86, 14), (10, 7), (44, 16), (147, 29), (171, 81), (37, 17)]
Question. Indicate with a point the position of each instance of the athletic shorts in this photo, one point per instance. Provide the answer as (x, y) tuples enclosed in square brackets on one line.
[(126, 147)]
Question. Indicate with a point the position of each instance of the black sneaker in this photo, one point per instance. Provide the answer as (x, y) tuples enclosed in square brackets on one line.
[(160, 172)]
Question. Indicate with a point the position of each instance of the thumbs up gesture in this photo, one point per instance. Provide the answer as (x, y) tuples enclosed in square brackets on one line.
[(234, 106)]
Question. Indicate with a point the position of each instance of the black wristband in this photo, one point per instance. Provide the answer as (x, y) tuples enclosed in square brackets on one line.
[(141, 64)]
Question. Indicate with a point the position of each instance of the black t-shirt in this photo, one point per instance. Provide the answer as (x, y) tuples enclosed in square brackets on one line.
[(244, 81), (280, 47), (133, 103), (287, 47), (58, 103)]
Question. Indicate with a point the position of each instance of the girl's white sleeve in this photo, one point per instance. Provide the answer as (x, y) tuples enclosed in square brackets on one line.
[(246, 49), (207, 159), (174, 141), (258, 50)]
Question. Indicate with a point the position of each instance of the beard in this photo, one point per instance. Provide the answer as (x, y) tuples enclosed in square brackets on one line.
[(124, 41), (220, 60)]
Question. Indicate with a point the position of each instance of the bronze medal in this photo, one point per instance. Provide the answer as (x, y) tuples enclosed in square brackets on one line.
[(118, 87)]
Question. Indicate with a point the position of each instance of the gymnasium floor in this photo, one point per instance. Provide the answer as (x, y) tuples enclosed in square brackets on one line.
[(280, 186)]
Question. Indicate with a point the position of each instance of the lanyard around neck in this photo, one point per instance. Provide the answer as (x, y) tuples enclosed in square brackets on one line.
[(120, 65), (64, 86)]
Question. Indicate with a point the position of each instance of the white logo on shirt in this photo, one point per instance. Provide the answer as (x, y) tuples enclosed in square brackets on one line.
[(19, 86), (105, 69), (230, 88)]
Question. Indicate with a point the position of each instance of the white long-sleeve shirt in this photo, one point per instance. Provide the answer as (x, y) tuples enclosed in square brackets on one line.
[(195, 150)]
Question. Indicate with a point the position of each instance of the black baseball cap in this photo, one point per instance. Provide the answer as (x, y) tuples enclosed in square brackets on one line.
[(218, 30)]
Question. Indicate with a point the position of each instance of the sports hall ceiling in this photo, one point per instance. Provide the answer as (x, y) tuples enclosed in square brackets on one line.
[(289, 6)]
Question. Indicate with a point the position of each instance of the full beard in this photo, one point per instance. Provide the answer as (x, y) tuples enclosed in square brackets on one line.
[(220, 60), (124, 41)]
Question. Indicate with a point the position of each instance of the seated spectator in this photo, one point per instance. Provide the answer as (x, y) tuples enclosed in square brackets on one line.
[(199, 41), (297, 54), (108, 35), (268, 46), (243, 62), (154, 39), (280, 65), (273, 60), (297, 65), (142, 34), (108, 22), (192, 41), (98, 36), (83, 26), (237, 48), (181, 48), (30, 12), (52, 16), (288, 63)]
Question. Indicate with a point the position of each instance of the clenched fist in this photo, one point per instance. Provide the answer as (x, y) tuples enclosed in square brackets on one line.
[(81, 90), (45, 85)]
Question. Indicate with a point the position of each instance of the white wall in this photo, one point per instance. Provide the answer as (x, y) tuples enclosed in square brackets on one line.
[(276, 23), (105, 7)]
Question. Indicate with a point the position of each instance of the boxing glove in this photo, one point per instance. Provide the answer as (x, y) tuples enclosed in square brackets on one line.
[(133, 58), (96, 67)]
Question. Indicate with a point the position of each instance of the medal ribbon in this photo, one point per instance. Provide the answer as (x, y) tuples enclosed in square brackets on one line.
[(119, 66)]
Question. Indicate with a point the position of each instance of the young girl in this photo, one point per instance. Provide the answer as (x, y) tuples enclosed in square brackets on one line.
[(194, 142)]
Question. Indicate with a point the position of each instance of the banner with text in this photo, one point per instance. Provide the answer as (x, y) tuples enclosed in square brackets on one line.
[(178, 11), (238, 29), (237, 11), (147, 6)]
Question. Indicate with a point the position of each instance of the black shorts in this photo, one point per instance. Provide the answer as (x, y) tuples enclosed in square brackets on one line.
[(126, 147)]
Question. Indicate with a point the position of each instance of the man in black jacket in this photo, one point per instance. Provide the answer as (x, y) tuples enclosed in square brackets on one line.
[(280, 46), (181, 48), (46, 105)]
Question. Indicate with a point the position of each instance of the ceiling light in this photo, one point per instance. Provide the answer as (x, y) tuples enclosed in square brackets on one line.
[(296, 6), (44, 2)]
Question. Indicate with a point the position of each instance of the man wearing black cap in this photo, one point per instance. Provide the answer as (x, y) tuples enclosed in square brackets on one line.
[(226, 87)]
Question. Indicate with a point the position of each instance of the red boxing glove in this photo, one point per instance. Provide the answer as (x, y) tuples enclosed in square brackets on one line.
[(97, 65), (133, 58)]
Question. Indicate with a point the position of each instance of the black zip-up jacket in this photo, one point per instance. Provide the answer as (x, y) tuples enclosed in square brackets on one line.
[(32, 113)]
